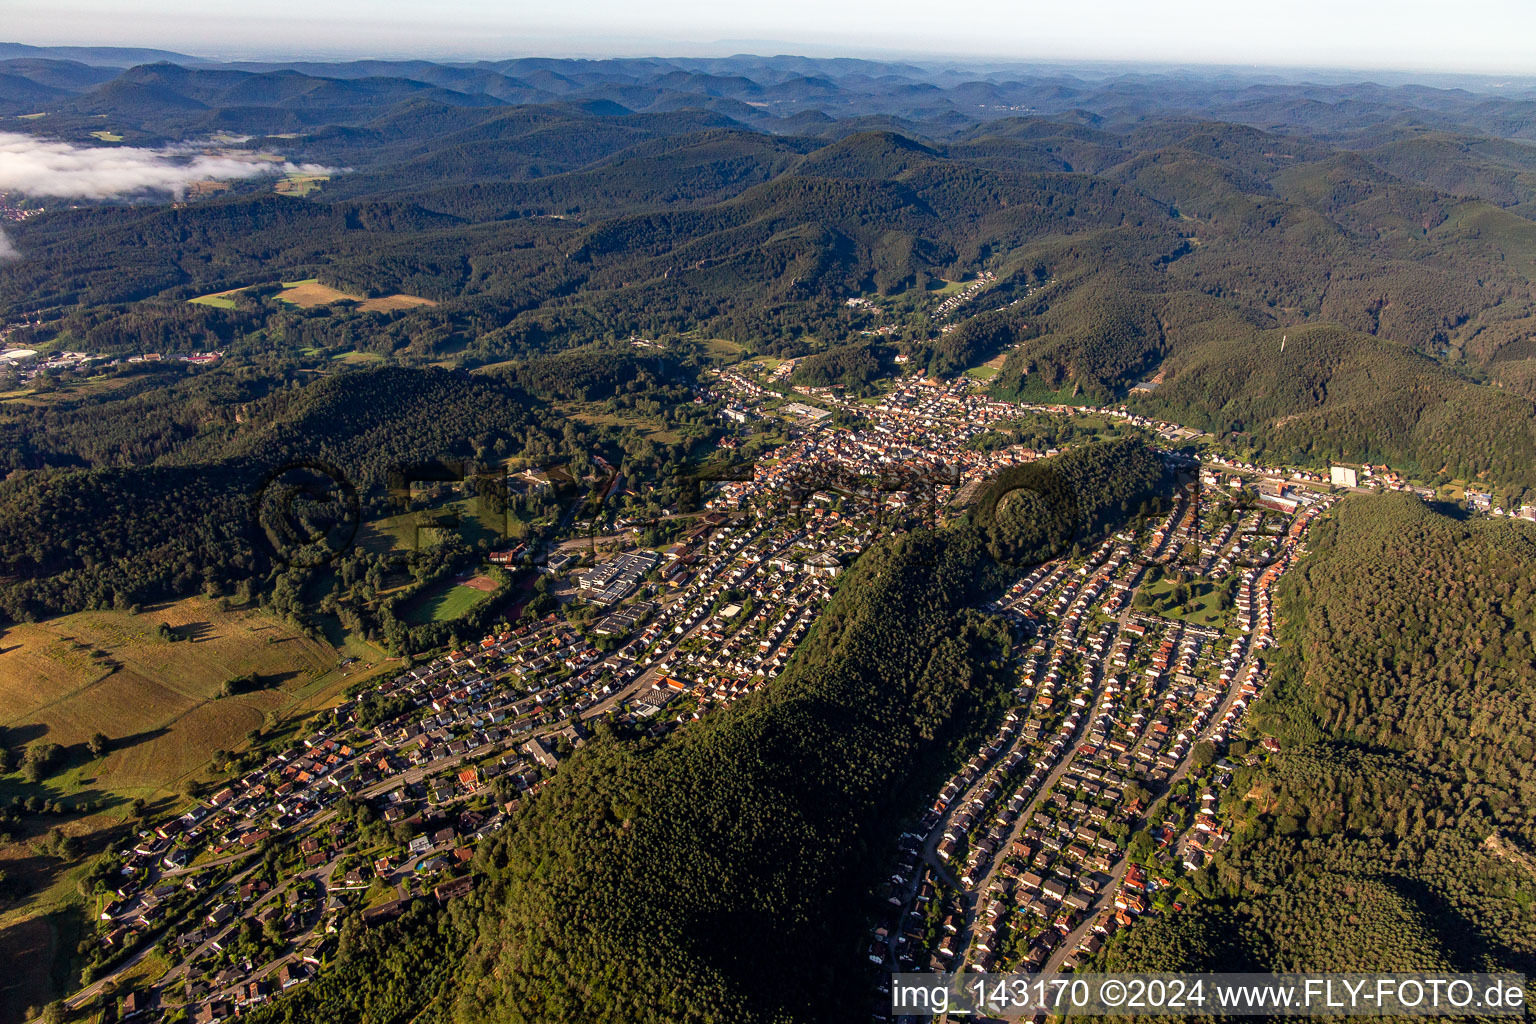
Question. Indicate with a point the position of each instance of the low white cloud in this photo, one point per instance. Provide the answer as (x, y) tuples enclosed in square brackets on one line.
[(7, 250), (62, 170)]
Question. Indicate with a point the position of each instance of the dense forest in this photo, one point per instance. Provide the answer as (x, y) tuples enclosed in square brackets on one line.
[(120, 533)]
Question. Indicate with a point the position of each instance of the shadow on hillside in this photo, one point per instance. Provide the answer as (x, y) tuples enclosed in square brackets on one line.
[(79, 753), (20, 735), (27, 950), (193, 632), (1449, 509)]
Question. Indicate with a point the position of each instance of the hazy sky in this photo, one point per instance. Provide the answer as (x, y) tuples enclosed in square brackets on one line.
[(1497, 36)]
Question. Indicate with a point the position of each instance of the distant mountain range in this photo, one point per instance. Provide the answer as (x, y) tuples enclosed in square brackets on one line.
[(157, 94), (99, 56)]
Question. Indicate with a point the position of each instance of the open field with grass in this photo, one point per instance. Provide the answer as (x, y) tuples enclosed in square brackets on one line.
[(358, 358), (219, 300), (448, 599), (309, 293), (719, 350), (300, 184), (104, 135), (30, 942), (65, 678), (594, 415), (63, 394), (1201, 609), (470, 518)]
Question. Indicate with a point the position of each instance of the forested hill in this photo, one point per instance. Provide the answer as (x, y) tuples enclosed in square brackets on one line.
[(1386, 835), (747, 849), (514, 263), (1390, 245), (120, 534)]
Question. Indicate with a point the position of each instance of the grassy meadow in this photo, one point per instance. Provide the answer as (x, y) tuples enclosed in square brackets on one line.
[(158, 701)]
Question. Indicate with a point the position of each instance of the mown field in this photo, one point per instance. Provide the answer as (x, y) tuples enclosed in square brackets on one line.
[(157, 700), (448, 599), (309, 293)]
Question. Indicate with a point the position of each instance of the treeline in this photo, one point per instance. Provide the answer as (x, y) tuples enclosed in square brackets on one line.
[(592, 373), (765, 238), (1334, 395)]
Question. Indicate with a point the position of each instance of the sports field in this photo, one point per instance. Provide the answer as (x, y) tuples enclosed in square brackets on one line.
[(447, 600)]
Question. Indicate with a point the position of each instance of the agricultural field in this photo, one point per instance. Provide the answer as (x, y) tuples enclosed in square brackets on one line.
[(300, 184), (63, 679), (309, 293), (29, 941), (103, 135), (158, 702)]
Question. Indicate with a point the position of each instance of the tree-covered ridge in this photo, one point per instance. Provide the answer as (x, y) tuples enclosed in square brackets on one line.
[(123, 534), (1419, 635), (592, 372), (743, 848), (674, 881), (1388, 833), (1335, 395), (1042, 510), (851, 365), (1165, 246)]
